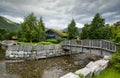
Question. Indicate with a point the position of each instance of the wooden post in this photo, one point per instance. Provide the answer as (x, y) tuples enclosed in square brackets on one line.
[(90, 45), (101, 46)]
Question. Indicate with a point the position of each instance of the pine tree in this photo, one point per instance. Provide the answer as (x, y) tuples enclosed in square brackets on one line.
[(97, 21), (97, 29), (41, 29), (72, 30)]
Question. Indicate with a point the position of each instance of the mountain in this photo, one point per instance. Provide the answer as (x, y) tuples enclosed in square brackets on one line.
[(79, 29), (8, 24)]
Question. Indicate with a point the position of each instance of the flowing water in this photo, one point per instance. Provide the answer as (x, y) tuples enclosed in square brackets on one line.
[(44, 68)]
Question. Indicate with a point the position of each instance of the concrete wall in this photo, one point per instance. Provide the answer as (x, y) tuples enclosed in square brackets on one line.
[(91, 69), (33, 52)]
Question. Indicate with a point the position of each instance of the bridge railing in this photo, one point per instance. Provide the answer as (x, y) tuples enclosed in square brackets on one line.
[(101, 44)]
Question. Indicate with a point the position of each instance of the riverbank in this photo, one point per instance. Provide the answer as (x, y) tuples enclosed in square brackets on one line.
[(44, 68)]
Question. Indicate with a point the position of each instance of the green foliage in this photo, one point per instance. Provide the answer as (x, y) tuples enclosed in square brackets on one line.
[(72, 30), (96, 30), (117, 67), (52, 40), (5, 35), (61, 39), (108, 73), (8, 25), (2, 53), (27, 43), (97, 21), (117, 38), (115, 33), (45, 43), (80, 75), (85, 34), (55, 41), (31, 29), (115, 60), (41, 29)]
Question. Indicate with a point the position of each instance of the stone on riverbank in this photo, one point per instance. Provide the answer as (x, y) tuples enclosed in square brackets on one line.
[(70, 75), (85, 72)]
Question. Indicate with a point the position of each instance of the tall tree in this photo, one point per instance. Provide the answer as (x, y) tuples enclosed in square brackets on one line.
[(97, 29), (72, 30), (85, 32), (97, 21), (96, 24), (3, 34), (31, 29), (41, 29)]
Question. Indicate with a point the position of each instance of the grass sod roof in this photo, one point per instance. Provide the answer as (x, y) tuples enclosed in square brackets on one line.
[(60, 32)]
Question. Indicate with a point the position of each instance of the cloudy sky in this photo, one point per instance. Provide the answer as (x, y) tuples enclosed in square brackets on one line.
[(58, 13)]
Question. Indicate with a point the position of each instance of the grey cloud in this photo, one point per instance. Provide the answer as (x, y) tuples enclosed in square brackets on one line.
[(81, 10)]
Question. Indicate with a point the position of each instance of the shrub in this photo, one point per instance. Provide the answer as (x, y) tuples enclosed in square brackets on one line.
[(45, 43), (52, 40), (61, 39), (80, 75), (2, 53), (115, 60), (117, 67)]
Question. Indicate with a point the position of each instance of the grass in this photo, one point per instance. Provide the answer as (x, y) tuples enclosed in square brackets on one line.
[(60, 32), (33, 43), (108, 73), (47, 42), (52, 41), (28, 43)]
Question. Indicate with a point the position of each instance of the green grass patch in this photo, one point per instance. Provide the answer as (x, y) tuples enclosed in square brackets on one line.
[(33, 43), (45, 43), (52, 41), (28, 43), (108, 73)]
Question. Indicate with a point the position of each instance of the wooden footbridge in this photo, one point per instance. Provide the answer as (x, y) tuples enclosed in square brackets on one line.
[(97, 47)]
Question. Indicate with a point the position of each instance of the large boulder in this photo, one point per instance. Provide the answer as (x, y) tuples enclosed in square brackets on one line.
[(85, 72), (94, 68)]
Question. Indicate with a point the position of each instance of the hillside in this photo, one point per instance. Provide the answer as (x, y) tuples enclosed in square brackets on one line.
[(8, 24)]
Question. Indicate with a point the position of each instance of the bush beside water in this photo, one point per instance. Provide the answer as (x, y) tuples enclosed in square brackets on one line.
[(2, 53), (115, 60)]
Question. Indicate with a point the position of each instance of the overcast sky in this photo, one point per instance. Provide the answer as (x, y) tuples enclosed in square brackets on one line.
[(58, 13)]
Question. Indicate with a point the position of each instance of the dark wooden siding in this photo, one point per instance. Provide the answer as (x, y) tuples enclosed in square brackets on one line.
[(52, 34)]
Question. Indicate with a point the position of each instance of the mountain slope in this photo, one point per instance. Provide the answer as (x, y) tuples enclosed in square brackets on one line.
[(8, 24)]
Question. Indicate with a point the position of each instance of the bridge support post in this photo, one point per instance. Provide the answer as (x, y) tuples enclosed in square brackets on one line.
[(101, 44), (90, 44)]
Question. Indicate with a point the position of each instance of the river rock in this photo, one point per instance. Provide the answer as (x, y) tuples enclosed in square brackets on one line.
[(70, 75)]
